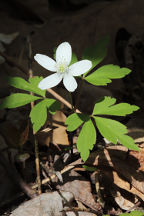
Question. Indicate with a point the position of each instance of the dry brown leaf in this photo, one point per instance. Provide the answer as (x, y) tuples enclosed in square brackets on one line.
[(56, 132), (80, 188), (60, 135), (124, 203), (123, 169)]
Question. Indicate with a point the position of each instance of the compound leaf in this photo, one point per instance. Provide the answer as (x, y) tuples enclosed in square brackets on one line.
[(17, 100), (107, 107), (75, 120), (103, 75), (52, 105), (38, 115), (115, 131), (96, 53), (31, 86), (86, 139)]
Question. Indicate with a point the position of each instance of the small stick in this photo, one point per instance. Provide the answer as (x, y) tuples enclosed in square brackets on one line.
[(62, 100), (65, 169), (37, 163)]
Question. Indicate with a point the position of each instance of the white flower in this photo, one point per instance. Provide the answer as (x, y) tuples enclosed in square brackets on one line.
[(62, 68)]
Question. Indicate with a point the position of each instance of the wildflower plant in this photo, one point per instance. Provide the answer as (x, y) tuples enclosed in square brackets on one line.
[(66, 67)]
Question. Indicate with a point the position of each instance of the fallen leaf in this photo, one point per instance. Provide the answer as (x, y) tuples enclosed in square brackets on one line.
[(46, 204), (55, 132), (80, 188), (60, 135), (123, 170)]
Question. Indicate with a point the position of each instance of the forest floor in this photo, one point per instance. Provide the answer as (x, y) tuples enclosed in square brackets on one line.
[(112, 180)]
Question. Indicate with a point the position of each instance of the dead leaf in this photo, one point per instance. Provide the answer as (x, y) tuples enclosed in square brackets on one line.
[(55, 132), (80, 188), (123, 170), (60, 135), (124, 203), (45, 204)]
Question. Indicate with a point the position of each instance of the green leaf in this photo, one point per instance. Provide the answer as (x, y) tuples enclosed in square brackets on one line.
[(52, 105), (115, 131), (38, 114), (54, 50), (31, 86), (128, 142), (97, 52), (89, 168), (34, 81), (105, 108), (103, 75), (86, 139), (17, 100), (75, 120), (133, 213)]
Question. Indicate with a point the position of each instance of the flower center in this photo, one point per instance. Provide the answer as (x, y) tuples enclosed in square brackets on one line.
[(62, 67)]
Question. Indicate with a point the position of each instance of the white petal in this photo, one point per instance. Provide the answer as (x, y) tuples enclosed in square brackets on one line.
[(50, 81), (69, 82), (80, 67), (64, 53), (46, 62)]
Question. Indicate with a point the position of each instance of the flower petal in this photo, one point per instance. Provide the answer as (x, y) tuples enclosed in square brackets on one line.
[(64, 53), (46, 62), (69, 82), (80, 67), (50, 81)]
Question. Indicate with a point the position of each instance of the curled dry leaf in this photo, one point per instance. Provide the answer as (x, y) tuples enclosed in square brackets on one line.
[(123, 170)]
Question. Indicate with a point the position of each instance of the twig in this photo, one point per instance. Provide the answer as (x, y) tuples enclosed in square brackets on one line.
[(32, 105), (67, 168), (62, 100)]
